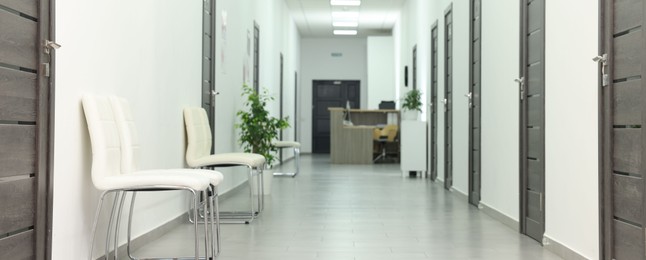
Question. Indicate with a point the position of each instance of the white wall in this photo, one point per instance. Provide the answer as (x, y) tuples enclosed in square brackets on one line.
[(571, 105), (143, 56), (381, 70), (500, 106), (571, 123), (317, 63), (151, 55), (414, 28)]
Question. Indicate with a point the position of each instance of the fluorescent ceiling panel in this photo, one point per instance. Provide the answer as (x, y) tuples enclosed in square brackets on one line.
[(345, 2), (345, 32)]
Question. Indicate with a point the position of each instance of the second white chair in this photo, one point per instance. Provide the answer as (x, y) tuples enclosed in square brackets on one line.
[(198, 155)]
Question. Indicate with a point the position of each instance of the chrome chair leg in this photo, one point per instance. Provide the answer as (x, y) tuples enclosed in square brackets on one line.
[(130, 213), (118, 224), (297, 152), (96, 221), (109, 229)]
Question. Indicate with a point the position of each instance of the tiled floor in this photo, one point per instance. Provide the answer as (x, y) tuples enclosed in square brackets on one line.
[(340, 212)]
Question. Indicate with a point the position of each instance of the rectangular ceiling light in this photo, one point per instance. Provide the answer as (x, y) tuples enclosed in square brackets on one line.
[(345, 24), (345, 32), (345, 16), (345, 2)]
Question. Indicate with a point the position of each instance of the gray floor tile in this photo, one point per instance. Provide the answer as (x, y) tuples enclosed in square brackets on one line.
[(355, 212)]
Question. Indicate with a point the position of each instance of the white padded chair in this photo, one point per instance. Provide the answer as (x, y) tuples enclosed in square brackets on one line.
[(130, 148), (109, 176), (297, 156), (198, 155)]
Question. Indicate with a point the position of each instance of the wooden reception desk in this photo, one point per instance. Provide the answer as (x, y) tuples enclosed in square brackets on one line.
[(353, 144)]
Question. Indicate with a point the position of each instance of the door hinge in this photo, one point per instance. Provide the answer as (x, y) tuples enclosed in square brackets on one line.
[(49, 45), (603, 60)]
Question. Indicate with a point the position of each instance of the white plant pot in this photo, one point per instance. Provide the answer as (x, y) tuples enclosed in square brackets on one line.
[(410, 115), (267, 178)]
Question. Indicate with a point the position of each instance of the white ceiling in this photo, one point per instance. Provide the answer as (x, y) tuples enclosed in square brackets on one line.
[(314, 17)]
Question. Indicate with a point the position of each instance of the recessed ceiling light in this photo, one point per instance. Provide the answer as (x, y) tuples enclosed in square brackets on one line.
[(345, 2), (345, 16), (345, 32), (345, 24)]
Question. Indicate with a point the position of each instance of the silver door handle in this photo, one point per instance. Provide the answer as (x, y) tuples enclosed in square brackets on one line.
[(521, 82), (470, 97), (445, 101), (603, 59)]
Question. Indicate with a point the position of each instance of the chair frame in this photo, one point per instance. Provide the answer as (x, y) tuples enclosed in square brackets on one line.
[(106, 152), (228, 217)]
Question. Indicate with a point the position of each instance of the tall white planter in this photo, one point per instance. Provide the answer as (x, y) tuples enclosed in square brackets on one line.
[(412, 115)]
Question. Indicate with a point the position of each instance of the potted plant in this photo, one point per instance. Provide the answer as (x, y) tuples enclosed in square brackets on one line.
[(412, 105), (258, 129)]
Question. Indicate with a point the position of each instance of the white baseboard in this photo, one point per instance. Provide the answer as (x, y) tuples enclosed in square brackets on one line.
[(500, 217), (561, 250)]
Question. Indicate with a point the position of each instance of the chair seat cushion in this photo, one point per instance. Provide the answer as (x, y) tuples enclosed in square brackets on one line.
[(157, 179), (215, 177), (286, 144), (230, 159)]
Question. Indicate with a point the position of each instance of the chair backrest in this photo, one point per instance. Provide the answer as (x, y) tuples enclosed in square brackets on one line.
[(128, 133), (104, 137), (198, 134), (390, 131)]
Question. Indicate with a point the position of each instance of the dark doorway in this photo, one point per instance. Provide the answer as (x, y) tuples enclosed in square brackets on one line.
[(532, 119), (448, 97), (256, 57), (208, 64), (623, 136), (326, 94), (25, 170), (474, 103), (433, 112)]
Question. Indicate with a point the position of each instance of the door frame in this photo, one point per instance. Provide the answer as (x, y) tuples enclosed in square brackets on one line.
[(212, 93), (472, 108), (45, 188), (605, 144), (414, 69), (523, 134), (281, 97), (433, 97), (448, 113)]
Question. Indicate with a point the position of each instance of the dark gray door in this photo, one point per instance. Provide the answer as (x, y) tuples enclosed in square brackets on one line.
[(326, 94), (434, 104), (474, 103), (25, 209), (623, 136), (448, 97), (208, 63), (532, 119), (256, 57)]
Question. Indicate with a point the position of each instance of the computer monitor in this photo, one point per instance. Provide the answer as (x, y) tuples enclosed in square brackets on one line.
[(387, 105)]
